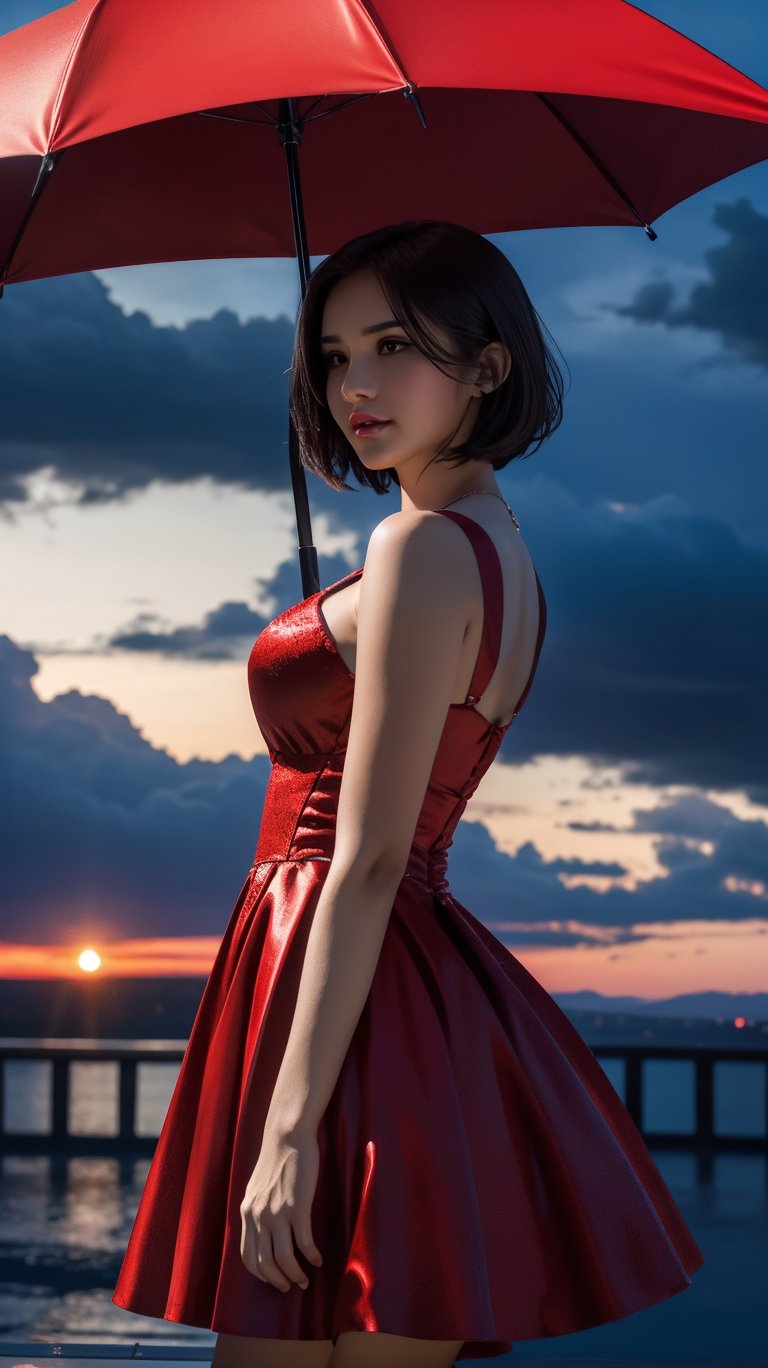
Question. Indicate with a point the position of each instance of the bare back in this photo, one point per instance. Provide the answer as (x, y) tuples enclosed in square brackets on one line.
[(520, 622)]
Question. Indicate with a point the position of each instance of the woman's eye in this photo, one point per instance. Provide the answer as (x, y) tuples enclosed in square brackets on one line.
[(329, 357)]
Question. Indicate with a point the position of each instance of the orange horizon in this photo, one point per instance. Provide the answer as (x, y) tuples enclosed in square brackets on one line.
[(155, 957), (654, 960)]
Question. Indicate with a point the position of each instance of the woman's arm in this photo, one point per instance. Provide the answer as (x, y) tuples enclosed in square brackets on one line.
[(414, 606)]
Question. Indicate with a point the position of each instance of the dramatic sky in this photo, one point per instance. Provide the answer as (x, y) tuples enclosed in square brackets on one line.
[(619, 841)]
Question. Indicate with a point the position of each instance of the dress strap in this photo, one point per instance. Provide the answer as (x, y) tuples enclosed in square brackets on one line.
[(539, 643), (491, 579)]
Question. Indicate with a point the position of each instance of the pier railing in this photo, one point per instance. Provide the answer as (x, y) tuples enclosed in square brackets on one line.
[(59, 1134)]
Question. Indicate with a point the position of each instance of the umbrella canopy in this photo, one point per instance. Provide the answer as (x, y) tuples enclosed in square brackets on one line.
[(540, 113), (136, 132)]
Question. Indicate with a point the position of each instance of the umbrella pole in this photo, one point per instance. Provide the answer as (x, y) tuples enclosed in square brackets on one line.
[(290, 129)]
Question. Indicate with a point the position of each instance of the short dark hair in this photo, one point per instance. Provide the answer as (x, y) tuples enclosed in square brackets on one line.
[(448, 275)]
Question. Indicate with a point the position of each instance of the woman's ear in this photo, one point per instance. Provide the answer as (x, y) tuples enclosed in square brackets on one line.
[(494, 364)]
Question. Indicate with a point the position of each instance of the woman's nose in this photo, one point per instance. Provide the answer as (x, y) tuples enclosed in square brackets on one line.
[(356, 382)]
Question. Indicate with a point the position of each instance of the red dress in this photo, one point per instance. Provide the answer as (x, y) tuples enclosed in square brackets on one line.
[(480, 1179)]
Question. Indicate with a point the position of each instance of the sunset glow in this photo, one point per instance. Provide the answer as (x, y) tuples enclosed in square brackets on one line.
[(159, 957), (650, 960)]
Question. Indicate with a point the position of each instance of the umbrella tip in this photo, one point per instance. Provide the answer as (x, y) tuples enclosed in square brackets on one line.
[(409, 93), (653, 236)]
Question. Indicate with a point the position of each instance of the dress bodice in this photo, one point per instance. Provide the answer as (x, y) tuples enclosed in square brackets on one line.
[(301, 691)]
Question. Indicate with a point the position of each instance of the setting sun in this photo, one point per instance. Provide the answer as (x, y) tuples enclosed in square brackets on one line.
[(89, 960)]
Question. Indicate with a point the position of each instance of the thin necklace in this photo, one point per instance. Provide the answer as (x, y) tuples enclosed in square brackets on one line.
[(486, 491)]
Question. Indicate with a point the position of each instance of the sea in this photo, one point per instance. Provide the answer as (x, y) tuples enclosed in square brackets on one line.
[(65, 1220)]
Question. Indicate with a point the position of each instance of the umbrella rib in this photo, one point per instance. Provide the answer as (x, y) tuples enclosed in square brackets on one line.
[(303, 118), (236, 118), (233, 118), (308, 118), (319, 100), (596, 162)]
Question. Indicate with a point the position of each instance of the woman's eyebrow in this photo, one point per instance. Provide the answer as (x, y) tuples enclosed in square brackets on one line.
[(374, 328)]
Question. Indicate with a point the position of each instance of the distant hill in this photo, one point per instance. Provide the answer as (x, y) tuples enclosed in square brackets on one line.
[(157, 1008), (711, 1004)]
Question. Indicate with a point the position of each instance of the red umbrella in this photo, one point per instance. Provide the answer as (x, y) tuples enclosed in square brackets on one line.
[(134, 131)]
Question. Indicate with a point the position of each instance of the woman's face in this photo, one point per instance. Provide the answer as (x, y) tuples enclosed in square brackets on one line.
[(384, 374)]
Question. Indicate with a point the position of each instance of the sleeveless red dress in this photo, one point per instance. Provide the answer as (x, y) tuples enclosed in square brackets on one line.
[(480, 1179)]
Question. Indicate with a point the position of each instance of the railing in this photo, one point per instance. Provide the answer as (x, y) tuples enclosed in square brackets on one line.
[(704, 1058), (60, 1138)]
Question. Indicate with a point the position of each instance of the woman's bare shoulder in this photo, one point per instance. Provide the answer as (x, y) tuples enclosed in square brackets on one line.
[(419, 558), (421, 533)]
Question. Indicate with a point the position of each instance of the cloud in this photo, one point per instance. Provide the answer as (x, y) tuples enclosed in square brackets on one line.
[(690, 816), (111, 403), (220, 635), (653, 659), (524, 901), (733, 301), (227, 631), (590, 826), (105, 833)]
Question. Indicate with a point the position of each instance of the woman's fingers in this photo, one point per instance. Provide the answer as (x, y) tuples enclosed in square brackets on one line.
[(302, 1234), (265, 1256), (257, 1254), (269, 1255), (285, 1257), (248, 1250)]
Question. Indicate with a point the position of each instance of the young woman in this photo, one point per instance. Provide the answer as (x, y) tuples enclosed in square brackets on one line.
[(387, 1144)]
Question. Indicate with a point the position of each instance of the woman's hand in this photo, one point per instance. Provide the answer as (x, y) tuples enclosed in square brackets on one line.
[(277, 1202)]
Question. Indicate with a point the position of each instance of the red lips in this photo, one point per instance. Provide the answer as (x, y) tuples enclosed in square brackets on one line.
[(355, 419)]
